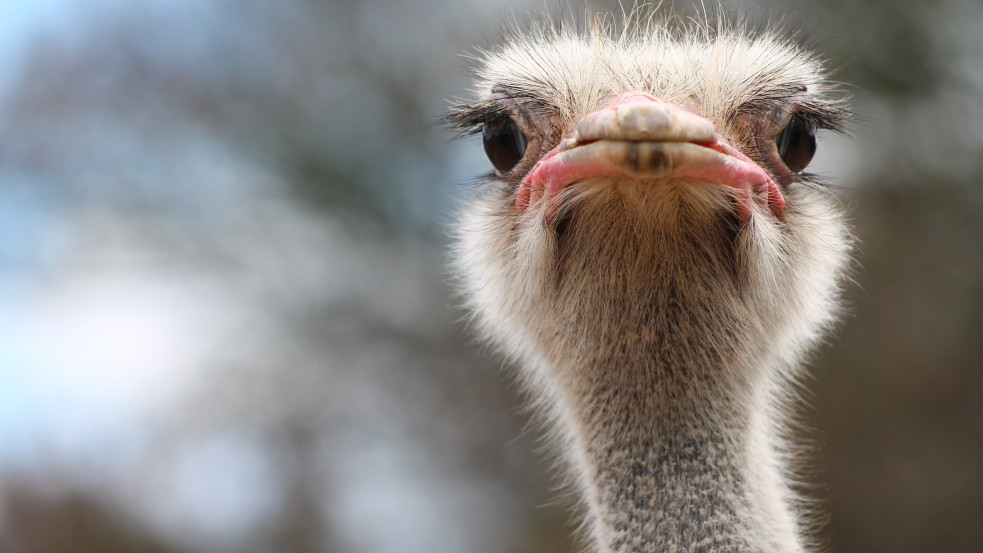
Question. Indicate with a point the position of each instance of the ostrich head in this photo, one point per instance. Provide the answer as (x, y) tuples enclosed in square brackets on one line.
[(652, 253)]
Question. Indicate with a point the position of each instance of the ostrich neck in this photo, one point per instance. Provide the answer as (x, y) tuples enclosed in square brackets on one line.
[(662, 363), (676, 457)]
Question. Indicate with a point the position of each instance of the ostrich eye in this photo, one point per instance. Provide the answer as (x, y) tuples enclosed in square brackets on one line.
[(797, 142), (504, 142)]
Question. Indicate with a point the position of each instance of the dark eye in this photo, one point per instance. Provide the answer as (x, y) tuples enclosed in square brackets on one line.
[(797, 142), (504, 142)]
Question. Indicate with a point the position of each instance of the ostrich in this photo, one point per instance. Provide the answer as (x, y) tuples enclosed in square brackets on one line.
[(651, 254)]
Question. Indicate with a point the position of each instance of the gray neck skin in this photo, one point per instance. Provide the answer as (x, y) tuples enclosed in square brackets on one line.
[(671, 460)]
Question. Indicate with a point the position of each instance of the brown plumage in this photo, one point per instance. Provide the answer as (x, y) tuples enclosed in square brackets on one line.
[(651, 254)]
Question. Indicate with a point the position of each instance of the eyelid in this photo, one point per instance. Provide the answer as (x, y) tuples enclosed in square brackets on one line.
[(519, 113)]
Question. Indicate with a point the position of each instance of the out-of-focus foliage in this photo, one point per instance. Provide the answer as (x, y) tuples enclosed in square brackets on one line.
[(225, 325)]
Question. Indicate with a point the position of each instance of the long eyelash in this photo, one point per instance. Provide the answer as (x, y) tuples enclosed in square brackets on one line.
[(833, 118), (468, 119), (824, 115)]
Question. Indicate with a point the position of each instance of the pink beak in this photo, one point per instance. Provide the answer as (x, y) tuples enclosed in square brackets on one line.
[(637, 135)]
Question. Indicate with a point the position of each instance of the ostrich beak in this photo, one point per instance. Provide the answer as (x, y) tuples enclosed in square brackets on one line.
[(639, 136)]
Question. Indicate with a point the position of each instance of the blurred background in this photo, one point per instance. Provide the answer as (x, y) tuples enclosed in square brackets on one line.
[(224, 321)]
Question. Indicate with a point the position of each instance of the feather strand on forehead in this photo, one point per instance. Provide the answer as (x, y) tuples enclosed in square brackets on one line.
[(723, 68)]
